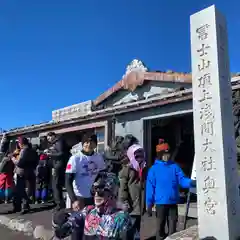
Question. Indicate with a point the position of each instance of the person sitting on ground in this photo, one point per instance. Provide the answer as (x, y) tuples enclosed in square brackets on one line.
[(162, 190), (103, 220)]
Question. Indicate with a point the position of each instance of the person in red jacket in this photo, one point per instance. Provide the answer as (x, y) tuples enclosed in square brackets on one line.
[(6, 171)]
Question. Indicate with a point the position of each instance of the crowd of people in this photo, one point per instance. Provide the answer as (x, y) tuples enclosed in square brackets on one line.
[(104, 201), (31, 174)]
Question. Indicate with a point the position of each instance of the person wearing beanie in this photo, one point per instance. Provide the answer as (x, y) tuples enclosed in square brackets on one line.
[(42, 179), (101, 220), (81, 172), (162, 189)]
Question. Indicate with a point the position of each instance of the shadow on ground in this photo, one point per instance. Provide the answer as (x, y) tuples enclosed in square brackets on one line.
[(148, 227), (7, 209)]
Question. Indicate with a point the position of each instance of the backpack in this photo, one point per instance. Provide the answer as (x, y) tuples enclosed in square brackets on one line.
[(5, 164)]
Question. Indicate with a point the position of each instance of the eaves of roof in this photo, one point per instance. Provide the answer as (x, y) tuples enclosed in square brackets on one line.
[(152, 102), (107, 112), (135, 79)]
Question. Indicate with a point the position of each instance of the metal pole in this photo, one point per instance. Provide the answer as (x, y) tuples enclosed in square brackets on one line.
[(187, 209), (113, 129)]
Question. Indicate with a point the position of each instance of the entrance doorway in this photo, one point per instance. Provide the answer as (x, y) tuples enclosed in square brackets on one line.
[(176, 130)]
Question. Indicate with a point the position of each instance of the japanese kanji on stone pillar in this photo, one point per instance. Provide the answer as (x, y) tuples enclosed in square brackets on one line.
[(215, 146)]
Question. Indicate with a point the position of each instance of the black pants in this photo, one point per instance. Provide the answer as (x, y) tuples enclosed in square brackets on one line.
[(31, 185), (57, 187), (166, 213), (20, 199), (136, 219)]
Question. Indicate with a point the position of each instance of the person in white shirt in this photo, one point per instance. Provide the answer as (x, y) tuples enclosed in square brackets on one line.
[(81, 172)]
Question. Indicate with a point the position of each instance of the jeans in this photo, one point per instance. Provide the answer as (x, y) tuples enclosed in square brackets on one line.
[(41, 190), (166, 213)]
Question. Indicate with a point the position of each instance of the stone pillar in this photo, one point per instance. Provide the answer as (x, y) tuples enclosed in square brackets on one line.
[(215, 146)]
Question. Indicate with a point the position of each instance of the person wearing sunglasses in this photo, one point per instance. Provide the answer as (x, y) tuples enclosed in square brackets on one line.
[(103, 220)]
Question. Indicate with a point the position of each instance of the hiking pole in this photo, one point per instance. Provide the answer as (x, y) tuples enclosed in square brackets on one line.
[(187, 210)]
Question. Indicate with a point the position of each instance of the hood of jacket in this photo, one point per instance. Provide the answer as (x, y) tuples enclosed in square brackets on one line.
[(159, 161), (131, 155)]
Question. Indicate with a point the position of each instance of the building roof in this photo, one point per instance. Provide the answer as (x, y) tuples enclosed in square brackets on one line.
[(133, 106), (181, 95), (136, 75), (135, 79)]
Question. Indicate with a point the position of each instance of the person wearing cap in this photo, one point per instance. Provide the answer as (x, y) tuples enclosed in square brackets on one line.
[(101, 220), (81, 172), (162, 189)]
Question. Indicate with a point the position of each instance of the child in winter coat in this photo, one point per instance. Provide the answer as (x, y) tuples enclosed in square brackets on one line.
[(163, 181), (42, 180)]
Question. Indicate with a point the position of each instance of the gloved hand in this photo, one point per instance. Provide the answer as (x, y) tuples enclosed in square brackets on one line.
[(149, 211)]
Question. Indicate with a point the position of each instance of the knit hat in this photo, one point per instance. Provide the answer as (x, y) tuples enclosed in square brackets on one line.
[(162, 146), (23, 140), (107, 181)]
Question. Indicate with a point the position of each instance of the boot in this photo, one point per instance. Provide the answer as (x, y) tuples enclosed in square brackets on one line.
[(26, 209)]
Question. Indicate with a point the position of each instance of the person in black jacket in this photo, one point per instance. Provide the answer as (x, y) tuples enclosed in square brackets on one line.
[(113, 154), (58, 154), (25, 168)]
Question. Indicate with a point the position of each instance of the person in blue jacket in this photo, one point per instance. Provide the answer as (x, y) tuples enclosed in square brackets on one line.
[(162, 190)]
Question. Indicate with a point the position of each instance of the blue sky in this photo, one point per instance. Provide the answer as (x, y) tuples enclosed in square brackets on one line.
[(54, 53)]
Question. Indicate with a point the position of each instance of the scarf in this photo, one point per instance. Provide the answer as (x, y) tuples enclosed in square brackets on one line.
[(133, 162)]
